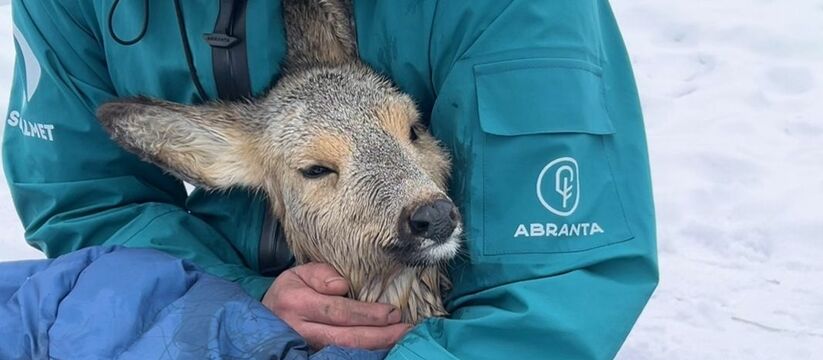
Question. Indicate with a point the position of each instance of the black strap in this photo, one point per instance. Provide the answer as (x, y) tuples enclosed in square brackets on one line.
[(228, 51), (231, 75), (274, 253)]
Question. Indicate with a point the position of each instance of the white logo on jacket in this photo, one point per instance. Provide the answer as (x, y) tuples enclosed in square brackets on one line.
[(564, 175), (558, 190), (31, 129), (33, 72), (30, 63)]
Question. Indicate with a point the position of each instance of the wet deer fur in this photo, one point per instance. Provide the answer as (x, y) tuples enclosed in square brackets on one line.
[(328, 111)]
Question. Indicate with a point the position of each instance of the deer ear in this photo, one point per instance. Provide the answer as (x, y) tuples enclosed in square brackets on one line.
[(206, 145), (319, 32)]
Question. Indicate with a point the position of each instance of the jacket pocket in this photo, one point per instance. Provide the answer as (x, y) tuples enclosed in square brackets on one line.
[(546, 142)]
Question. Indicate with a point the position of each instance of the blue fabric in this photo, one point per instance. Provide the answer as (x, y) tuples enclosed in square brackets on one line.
[(119, 303)]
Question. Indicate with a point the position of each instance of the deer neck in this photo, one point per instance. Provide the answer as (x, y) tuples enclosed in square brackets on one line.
[(415, 291)]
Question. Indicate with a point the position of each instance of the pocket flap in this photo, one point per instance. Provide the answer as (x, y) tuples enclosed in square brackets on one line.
[(537, 96)]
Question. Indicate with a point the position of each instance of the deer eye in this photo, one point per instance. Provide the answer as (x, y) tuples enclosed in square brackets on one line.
[(315, 172)]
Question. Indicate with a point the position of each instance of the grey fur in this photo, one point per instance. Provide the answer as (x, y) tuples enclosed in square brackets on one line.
[(328, 109)]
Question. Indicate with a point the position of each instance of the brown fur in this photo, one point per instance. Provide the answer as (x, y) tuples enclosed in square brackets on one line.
[(331, 151), (327, 110)]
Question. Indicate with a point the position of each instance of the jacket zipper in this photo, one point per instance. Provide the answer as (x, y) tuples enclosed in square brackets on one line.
[(231, 76), (229, 58)]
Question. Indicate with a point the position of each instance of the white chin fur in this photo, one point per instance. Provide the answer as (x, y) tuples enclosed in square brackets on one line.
[(444, 251)]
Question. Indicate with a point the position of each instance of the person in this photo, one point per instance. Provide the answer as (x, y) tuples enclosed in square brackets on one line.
[(535, 100)]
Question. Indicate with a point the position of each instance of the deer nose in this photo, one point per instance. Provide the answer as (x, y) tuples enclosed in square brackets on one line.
[(435, 221)]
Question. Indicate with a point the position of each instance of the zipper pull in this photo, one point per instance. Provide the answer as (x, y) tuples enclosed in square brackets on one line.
[(224, 41)]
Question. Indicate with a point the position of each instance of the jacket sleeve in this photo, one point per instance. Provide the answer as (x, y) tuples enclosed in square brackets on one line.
[(72, 186), (168, 310), (537, 103)]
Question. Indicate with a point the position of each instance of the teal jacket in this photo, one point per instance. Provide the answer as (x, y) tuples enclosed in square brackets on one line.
[(535, 100)]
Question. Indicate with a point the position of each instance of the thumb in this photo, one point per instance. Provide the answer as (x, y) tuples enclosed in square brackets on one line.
[(322, 278)]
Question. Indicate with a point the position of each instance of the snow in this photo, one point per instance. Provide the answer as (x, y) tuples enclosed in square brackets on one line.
[(733, 101), (733, 98)]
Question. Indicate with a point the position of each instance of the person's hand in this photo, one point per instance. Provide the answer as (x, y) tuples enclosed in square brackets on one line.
[(311, 299)]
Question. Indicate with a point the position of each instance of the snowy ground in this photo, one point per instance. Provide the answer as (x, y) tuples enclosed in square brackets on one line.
[(733, 97)]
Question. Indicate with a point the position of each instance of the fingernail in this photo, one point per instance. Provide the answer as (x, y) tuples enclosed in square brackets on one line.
[(331, 280), (394, 316)]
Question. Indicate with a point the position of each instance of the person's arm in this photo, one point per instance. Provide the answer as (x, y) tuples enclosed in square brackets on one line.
[(72, 186), (537, 103)]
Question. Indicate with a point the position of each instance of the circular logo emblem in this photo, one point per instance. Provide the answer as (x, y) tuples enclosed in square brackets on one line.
[(558, 186)]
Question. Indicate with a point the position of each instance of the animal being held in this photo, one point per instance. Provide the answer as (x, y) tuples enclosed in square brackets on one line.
[(354, 178)]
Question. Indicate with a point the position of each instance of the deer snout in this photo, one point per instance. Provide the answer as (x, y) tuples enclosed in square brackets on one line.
[(434, 221)]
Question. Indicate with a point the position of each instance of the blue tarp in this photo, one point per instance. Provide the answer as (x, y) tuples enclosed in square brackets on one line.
[(119, 303)]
